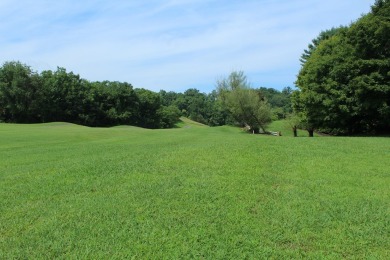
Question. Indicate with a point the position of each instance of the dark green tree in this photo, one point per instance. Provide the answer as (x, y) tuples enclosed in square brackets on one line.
[(19, 95), (149, 104), (344, 84), (169, 116), (64, 95)]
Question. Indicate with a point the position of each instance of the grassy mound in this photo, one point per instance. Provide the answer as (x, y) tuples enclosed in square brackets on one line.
[(76, 192), (187, 123)]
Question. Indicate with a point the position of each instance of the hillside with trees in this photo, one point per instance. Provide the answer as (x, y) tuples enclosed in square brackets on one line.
[(30, 97)]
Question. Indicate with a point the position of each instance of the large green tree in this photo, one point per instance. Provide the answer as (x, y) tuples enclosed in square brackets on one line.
[(19, 93), (149, 104), (64, 94), (344, 83), (247, 105)]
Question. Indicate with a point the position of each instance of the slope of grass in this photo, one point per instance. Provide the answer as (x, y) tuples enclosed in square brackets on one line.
[(283, 127), (68, 191), (185, 122)]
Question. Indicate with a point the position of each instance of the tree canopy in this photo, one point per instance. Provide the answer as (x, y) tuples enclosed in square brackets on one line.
[(29, 97), (344, 82), (324, 35), (247, 105)]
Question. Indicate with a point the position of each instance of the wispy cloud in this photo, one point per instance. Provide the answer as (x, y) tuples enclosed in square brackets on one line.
[(170, 45)]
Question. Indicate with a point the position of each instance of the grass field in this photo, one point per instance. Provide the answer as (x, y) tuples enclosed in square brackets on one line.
[(283, 127), (69, 191)]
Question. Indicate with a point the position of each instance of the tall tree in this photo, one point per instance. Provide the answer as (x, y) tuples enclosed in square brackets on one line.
[(19, 101), (344, 84), (247, 105), (65, 93), (149, 105)]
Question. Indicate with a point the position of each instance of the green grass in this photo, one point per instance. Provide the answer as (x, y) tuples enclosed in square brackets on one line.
[(187, 123), (69, 191), (283, 127)]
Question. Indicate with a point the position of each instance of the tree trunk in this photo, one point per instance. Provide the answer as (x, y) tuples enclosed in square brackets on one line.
[(311, 132), (295, 131)]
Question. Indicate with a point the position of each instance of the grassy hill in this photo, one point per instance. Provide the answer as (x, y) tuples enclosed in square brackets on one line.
[(187, 123), (69, 191)]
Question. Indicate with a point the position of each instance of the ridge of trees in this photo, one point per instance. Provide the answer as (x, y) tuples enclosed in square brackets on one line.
[(30, 97), (211, 109)]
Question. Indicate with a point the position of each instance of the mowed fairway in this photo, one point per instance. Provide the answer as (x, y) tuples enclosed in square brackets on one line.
[(69, 191)]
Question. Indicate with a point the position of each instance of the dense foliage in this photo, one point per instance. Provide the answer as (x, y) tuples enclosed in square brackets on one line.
[(280, 101), (324, 35), (247, 105), (210, 109), (344, 81), (200, 107), (30, 97)]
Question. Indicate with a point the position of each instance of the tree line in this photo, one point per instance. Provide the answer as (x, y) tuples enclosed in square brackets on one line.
[(30, 97), (344, 81), (213, 110)]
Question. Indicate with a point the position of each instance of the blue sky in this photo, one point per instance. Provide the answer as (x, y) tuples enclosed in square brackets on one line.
[(172, 45)]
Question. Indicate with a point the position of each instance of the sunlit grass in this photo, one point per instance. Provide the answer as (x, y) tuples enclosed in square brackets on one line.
[(69, 191), (285, 129), (186, 123)]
